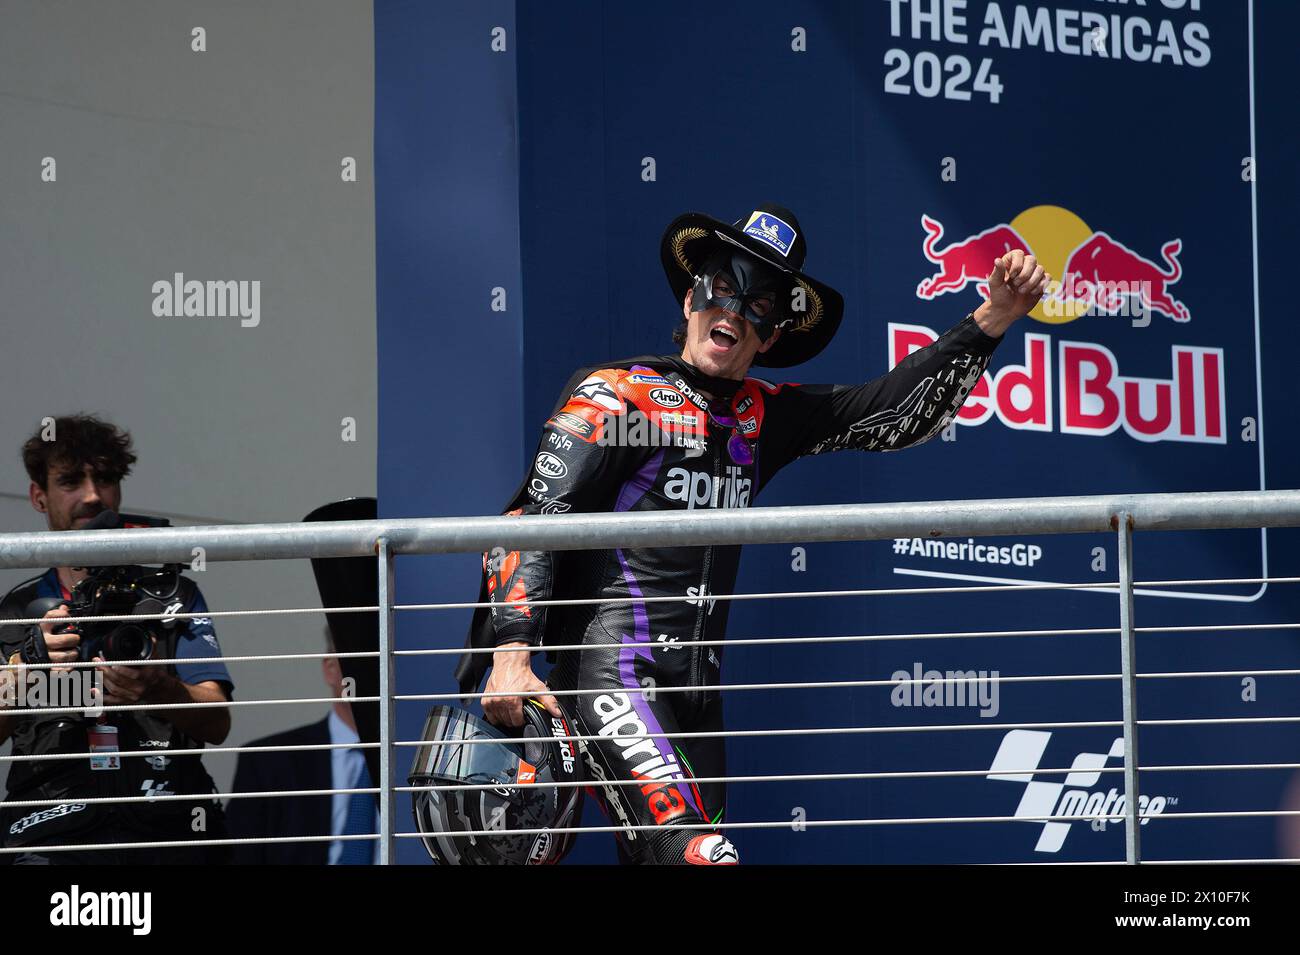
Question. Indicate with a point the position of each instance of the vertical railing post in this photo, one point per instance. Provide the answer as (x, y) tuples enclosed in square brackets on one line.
[(386, 702), (1128, 672)]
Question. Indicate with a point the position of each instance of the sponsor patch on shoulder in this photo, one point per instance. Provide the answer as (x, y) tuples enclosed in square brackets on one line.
[(599, 392), (580, 427)]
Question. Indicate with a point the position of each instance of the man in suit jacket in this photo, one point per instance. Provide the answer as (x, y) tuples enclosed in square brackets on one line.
[(299, 770)]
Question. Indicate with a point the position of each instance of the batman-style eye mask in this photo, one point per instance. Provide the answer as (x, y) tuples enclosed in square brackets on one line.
[(742, 284)]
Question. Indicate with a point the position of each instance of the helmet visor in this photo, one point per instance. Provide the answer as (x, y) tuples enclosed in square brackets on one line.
[(452, 753)]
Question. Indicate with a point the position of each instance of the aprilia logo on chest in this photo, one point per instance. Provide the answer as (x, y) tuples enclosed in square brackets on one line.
[(700, 489)]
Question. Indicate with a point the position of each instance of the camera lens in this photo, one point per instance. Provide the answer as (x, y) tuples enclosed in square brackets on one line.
[(128, 642)]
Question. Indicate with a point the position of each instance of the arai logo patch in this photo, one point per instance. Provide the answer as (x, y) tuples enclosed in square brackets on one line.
[(548, 465), (667, 397)]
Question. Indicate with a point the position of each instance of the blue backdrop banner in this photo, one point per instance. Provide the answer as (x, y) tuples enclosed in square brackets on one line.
[(528, 159)]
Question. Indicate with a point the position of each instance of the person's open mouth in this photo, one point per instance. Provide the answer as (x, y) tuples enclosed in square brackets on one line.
[(723, 338)]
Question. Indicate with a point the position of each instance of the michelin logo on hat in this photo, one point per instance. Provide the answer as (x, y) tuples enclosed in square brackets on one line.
[(770, 230)]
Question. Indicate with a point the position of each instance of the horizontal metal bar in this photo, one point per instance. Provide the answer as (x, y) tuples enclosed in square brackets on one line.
[(1221, 720), (1183, 674), (1044, 864), (1102, 586), (184, 843), (855, 777), (157, 661), (758, 525), (1213, 627), (280, 840), (1202, 581), (1212, 861), (764, 595), (899, 821), (714, 734), (206, 614), (183, 797), (865, 638), (812, 731), (919, 728), (1216, 767), (776, 641), (201, 751), (1145, 861), (772, 778), (651, 691), (215, 704), (648, 691)]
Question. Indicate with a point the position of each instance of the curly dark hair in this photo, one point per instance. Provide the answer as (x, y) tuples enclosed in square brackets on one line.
[(79, 440), (679, 334)]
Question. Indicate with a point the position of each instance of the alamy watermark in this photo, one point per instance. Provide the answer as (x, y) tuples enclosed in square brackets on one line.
[(1075, 297), (75, 907), (189, 298), (81, 689), (950, 688), (636, 430)]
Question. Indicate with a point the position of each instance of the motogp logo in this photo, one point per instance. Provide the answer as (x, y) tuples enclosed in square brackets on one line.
[(548, 465), (667, 397)]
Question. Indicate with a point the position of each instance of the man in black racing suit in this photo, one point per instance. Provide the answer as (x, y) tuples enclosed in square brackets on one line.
[(661, 433)]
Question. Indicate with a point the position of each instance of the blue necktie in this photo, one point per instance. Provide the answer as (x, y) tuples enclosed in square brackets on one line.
[(360, 820)]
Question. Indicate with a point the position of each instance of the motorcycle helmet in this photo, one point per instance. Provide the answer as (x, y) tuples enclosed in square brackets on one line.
[(461, 749)]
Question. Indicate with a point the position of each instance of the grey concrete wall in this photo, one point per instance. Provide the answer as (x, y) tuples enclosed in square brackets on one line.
[(222, 165)]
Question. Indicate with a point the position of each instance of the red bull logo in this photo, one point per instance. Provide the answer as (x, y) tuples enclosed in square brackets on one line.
[(1080, 390), (1098, 273), (964, 262), (1077, 387), (1105, 274)]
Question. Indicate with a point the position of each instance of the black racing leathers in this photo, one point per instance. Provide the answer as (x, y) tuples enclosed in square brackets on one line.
[(654, 434)]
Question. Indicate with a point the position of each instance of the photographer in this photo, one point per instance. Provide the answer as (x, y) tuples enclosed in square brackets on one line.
[(75, 477)]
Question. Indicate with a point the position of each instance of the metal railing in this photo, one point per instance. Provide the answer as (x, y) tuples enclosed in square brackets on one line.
[(1121, 515)]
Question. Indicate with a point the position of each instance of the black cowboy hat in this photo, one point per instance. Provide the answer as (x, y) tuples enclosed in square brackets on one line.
[(772, 234)]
